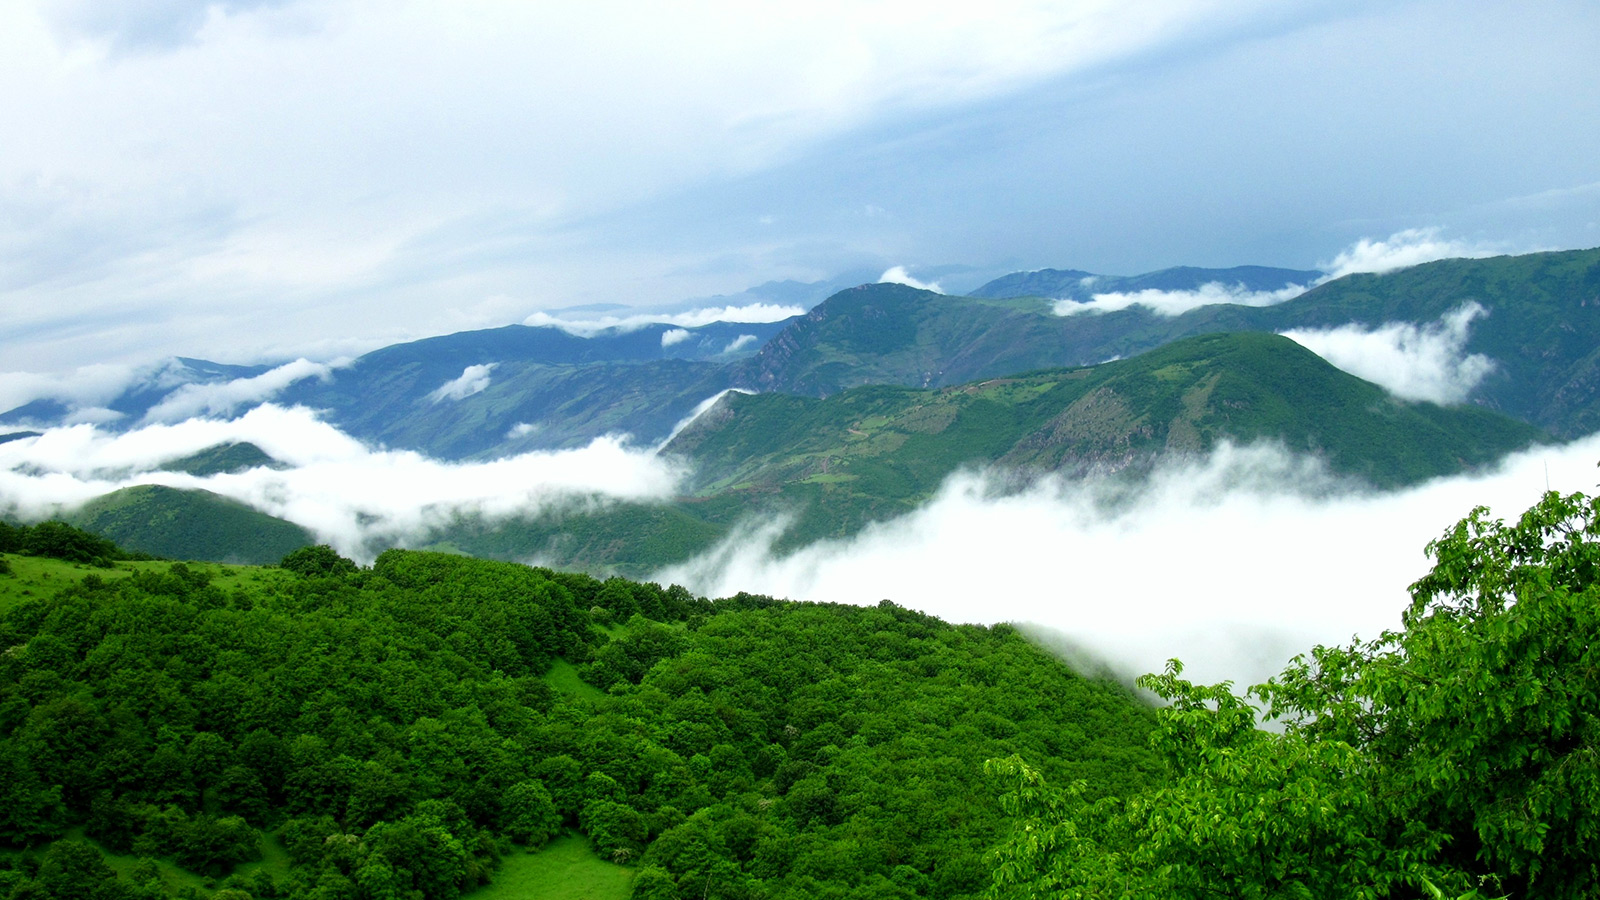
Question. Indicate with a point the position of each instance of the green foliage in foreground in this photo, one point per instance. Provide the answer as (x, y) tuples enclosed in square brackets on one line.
[(1459, 755), (394, 729)]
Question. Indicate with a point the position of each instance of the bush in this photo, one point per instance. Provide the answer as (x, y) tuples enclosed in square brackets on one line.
[(320, 560), (58, 540)]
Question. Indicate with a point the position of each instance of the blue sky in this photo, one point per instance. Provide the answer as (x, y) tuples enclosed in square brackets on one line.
[(260, 180)]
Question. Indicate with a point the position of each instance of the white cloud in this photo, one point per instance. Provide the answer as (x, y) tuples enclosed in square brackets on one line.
[(1176, 303), (739, 343), (344, 492), (1427, 362), (91, 415), (1402, 249), (694, 318), (1233, 563), (191, 400), (899, 275), (674, 336), (522, 429), (472, 380), (698, 411), (87, 386)]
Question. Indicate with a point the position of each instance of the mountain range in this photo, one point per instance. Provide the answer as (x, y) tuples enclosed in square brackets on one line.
[(857, 410)]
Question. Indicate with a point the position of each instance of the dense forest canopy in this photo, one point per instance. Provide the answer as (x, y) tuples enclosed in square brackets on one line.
[(394, 730)]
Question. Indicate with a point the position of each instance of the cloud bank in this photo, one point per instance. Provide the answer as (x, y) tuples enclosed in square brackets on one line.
[(86, 386), (1413, 362), (222, 399), (1233, 563), (899, 275), (345, 493), (1176, 303), (694, 318), (1401, 250)]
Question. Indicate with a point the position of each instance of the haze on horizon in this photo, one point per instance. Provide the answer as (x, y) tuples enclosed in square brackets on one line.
[(264, 179)]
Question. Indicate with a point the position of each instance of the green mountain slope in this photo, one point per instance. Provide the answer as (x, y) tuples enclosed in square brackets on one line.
[(1076, 285), (223, 459), (560, 405), (874, 451), (893, 334), (1542, 331), (189, 524)]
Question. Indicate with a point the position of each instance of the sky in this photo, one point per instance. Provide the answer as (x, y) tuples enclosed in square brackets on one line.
[(263, 180)]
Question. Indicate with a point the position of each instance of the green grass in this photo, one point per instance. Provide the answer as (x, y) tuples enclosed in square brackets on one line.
[(563, 676), (34, 577), (228, 578), (274, 859), (566, 869)]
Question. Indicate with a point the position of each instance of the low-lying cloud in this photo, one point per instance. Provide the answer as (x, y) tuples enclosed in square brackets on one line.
[(675, 336), (899, 275), (1176, 303), (83, 387), (472, 380), (699, 410), (347, 494), (694, 318), (1233, 563), (223, 399), (1401, 250), (1414, 362)]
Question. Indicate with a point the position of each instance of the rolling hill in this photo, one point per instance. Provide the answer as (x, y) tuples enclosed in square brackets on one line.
[(189, 524), (878, 450)]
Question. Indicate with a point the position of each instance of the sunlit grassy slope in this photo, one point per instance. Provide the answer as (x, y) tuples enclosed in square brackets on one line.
[(565, 869)]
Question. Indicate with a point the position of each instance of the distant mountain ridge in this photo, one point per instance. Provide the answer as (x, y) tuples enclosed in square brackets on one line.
[(1542, 331), (1073, 284), (542, 387)]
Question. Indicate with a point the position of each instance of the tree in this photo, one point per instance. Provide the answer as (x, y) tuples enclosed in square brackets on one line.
[(531, 816), (318, 560), (62, 541), (1461, 753)]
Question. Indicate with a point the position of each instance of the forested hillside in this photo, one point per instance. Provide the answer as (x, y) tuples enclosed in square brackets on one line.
[(320, 730), (877, 451)]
